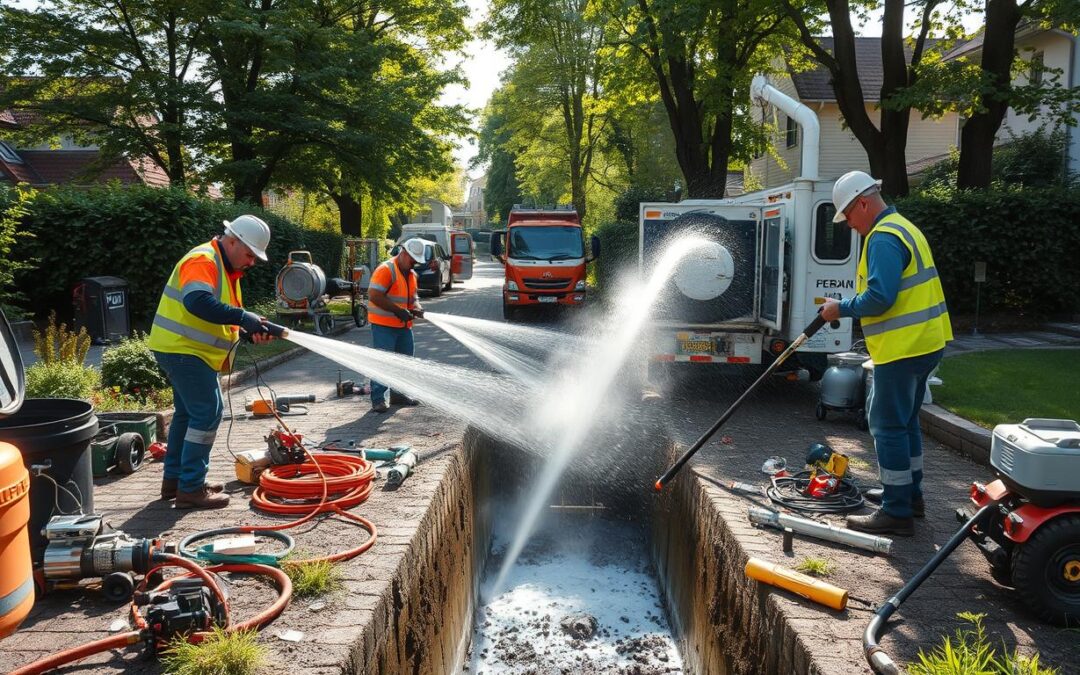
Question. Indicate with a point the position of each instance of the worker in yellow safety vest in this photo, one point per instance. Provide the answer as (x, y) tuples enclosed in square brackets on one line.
[(901, 306), (199, 320), (392, 308)]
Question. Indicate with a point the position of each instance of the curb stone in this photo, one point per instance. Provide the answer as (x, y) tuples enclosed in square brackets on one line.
[(956, 433)]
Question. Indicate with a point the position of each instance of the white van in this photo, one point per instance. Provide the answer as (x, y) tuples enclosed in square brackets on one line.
[(458, 243)]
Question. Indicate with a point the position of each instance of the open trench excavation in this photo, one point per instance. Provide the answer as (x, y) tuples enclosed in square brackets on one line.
[(615, 580)]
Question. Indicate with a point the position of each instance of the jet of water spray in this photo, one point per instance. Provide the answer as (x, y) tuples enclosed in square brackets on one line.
[(571, 404)]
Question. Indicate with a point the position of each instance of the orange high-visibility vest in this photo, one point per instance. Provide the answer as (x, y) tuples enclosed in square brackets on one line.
[(400, 289)]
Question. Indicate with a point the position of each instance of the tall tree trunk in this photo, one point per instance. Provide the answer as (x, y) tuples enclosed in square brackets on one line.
[(351, 215), (979, 132)]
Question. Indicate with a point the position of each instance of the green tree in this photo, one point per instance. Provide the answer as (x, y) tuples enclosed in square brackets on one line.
[(982, 84), (494, 148), (700, 55), (121, 75), (387, 100), (557, 45), (885, 143)]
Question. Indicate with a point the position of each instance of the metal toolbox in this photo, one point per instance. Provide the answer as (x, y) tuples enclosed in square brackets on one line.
[(1042, 456)]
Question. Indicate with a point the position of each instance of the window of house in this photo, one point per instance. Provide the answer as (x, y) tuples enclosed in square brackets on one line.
[(832, 241), (792, 133), (1038, 65), (8, 154)]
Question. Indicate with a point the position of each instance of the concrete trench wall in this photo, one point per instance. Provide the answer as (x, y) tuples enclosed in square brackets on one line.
[(723, 624), (423, 624)]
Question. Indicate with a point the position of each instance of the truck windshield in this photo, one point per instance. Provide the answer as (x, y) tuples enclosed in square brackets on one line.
[(546, 243)]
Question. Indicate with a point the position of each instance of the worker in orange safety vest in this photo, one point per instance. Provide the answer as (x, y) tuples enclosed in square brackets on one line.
[(393, 306)]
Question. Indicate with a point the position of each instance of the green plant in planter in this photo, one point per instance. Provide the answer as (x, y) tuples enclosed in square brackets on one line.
[(60, 379), (57, 344), (130, 367)]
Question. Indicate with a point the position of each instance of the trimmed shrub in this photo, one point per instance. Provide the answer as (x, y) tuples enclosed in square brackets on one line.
[(61, 379), (130, 368), (1027, 237), (139, 233)]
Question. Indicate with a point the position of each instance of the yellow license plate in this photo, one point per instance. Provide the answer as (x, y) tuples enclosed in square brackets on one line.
[(697, 346)]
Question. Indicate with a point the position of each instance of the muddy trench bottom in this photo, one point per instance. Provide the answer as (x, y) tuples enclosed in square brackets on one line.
[(582, 598)]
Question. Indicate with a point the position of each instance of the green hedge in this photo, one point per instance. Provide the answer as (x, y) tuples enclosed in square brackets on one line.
[(1027, 237), (138, 234)]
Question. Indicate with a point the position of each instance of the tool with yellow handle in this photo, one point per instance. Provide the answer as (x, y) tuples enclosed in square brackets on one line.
[(808, 587)]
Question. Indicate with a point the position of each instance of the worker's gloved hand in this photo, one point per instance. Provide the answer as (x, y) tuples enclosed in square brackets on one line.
[(403, 314), (418, 312), (252, 323)]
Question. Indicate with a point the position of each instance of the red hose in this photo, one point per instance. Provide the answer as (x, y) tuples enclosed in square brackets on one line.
[(77, 653)]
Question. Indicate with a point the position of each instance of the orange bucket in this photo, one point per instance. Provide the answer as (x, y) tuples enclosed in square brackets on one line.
[(16, 572)]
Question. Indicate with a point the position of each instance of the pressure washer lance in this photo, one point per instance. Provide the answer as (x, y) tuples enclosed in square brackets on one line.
[(807, 333), (812, 528)]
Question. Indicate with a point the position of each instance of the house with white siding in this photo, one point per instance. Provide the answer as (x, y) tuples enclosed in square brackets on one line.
[(1054, 54), (840, 151)]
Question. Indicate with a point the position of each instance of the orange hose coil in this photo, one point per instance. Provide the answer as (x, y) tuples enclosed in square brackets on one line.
[(337, 481)]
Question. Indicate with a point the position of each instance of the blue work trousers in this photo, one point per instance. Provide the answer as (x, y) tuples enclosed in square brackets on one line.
[(389, 339), (197, 399), (895, 399)]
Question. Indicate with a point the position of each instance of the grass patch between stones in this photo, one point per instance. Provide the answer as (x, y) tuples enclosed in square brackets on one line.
[(314, 578), (815, 567), (221, 653)]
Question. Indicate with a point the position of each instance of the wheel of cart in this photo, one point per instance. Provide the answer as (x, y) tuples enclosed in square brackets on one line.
[(359, 315), (324, 323), (121, 442)]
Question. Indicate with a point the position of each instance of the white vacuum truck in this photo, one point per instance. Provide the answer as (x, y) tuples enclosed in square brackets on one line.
[(773, 258)]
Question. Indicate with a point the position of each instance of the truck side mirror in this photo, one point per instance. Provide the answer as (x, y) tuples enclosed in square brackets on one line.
[(594, 246), (12, 375), (498, 245)]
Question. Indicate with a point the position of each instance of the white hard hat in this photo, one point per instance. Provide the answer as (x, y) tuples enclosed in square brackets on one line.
[(415, 248), (251, 230), (847, 188)]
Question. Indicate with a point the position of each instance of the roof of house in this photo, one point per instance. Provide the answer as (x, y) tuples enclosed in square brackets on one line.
[(57, 167), (919, 165), (7, 118), (17, 172), (816, 84)]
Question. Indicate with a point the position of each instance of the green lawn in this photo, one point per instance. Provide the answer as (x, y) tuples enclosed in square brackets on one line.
[(1008, 385)]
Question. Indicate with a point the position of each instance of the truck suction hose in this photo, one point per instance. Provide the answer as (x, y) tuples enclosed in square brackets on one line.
[(145, 632), (879, 661), (807, 333)]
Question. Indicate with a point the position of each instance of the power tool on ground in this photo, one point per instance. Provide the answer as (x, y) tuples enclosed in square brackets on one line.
[(827, 470), (85, 546), (282, 405), (282, 447)]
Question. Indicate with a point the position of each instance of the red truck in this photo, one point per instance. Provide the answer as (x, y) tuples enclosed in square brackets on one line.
[(543, 253)]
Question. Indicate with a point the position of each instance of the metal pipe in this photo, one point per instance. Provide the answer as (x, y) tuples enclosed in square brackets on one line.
[(879, 661), (763, 92), (812, 528)]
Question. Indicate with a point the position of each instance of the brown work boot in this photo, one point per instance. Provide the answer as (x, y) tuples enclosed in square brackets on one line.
[(918, 507), (169, 487), (880, 522), (204, 498)]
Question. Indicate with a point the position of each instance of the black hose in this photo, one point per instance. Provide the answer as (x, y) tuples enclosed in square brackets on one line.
[(790, 492), (879, 661)]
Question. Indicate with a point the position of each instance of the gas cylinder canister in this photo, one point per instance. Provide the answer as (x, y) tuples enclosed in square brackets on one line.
[(16, 572)]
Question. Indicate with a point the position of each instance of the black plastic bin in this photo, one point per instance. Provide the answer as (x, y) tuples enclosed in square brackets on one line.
[(57, 431), (101, 306)]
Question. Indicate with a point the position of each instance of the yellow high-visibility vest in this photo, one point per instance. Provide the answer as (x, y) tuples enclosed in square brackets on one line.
[(918, 322), (178, 331)]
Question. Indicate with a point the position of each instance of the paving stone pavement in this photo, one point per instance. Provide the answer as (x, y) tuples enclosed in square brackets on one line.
[(777, 420)]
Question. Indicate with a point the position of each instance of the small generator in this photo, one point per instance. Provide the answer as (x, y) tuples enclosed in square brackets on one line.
[(1032, 540)]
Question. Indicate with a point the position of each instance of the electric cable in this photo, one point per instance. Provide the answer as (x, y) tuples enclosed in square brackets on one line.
[(791, 492)]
